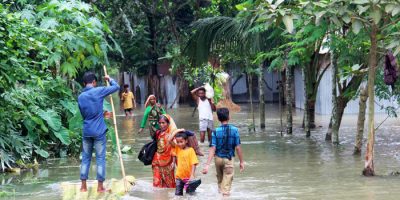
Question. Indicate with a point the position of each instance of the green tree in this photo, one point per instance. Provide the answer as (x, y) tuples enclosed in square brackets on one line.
[(44, 46), (379, 18)]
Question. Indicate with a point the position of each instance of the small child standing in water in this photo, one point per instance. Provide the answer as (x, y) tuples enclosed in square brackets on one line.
[(186, 163)]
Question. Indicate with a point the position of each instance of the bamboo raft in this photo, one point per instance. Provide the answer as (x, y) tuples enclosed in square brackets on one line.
[(71, 190)]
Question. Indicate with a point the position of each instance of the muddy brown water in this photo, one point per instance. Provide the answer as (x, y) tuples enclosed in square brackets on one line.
[(277, 167)]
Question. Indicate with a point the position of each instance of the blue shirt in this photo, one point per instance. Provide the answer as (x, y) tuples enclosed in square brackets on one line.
[(90, 103), (220, 135)]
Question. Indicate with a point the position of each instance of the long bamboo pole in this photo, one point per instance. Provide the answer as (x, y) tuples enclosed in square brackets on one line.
[(116, 135)]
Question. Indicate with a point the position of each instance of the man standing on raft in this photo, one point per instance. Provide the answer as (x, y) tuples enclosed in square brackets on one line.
[(90, 103)]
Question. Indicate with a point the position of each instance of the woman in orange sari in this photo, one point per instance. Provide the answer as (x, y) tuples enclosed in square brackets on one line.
[(163, 161)]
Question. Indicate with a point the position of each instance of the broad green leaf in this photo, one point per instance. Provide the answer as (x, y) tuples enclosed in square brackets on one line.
[(28, 15), (278, 2), (336, 21), (355, 67), (83, 6), (288, 21), (65, 6), (375, 2), (277, 63), (393, 44), (70, 106), (40, 122), (396, 51), (107, 28), (40, 82), (320, 4), (318, 16), (49, 23), (96, 22), (63, 136), (29, 124), (356, 26), (396, 10), (68, 69), (240, 7), (42, 153), (376, 15), (346, 19), (54, 58), (117, 47), (389, 8), (75, 123), (361, 2), (52, 118), (362, 9), (67, 35), (126, 149), (97, 49)]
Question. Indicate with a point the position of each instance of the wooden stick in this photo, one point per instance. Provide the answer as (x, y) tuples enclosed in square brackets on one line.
[(116, 134)]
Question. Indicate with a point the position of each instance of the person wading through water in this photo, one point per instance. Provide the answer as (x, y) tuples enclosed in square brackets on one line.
[(163, 164), (205, 107), (152, 114)]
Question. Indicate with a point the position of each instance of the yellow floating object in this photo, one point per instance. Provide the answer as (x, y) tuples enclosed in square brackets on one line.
[(71, 190), (15, 170)]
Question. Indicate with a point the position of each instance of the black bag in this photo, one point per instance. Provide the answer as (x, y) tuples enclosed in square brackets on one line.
[(226, 147), (147, 152), (390, 71)]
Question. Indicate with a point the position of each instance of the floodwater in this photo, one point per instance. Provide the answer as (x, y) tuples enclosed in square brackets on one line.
[(277, 167)]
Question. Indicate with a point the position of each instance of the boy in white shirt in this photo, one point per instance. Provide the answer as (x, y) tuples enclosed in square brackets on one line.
[(205, 107)]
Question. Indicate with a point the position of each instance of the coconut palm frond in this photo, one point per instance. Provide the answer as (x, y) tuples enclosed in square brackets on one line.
[(242, 35), (210, 33)]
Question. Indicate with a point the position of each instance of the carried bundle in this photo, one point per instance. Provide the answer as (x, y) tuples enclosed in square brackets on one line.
[(222, 80)]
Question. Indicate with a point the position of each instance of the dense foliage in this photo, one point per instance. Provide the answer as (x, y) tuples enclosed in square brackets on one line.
[(43, 47)]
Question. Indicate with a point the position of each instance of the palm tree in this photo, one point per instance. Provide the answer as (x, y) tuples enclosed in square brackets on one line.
[(241, 35)]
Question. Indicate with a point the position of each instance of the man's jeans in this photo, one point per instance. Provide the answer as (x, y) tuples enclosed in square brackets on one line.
[(99, 144)]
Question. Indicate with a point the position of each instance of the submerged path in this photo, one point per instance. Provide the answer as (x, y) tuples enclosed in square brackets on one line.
[(288, 167)]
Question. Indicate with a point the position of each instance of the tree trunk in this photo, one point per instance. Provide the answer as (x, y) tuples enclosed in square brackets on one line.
[(313, 73), (340, 106), (361, 120), (311, 112), (281, 100), (335, 125), (369, 154), (179, 88), (172, 22), (289, 99), (328, 135), (306, 118), (132, 82), (309, 102), (250, 77), (163, 93), (262, 96), (153, 82)]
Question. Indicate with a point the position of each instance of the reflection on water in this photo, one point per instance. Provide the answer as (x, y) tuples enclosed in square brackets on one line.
[(288, 167)]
